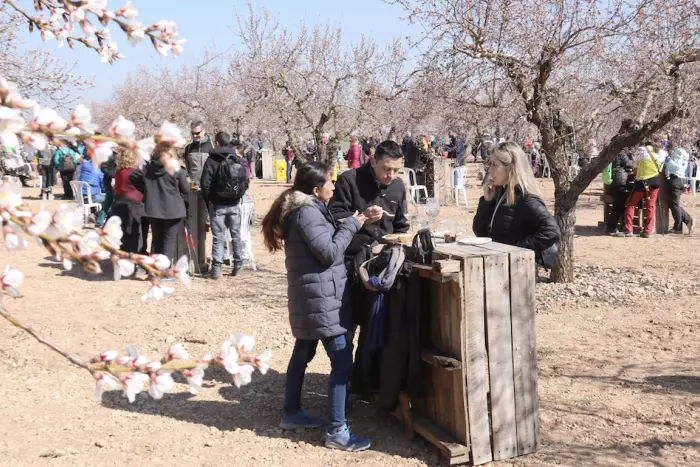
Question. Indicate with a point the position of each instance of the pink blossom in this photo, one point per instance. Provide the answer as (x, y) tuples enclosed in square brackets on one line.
[(77, 15), (229, 357), (168, 133), (67, 220), (100, 255), (177, 47), (97, 7), (36, 140), (123, 361), (121, 128), (11, 280), (136, 33), (171, 165), (105, 34), (87, 27), (82, 118), (167, 28), (10, 196), (39, 223), (11, 123), (133, 384), (177, 352), (243, 376), (91, 267), (14, 242), (161, 49), (161, 383), (144, 148), (101, 151), (152, 366), (262, 361), (140, 361), (46, 34)]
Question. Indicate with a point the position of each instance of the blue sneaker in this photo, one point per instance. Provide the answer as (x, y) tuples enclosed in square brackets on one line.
[(345, 440), (300, 420)]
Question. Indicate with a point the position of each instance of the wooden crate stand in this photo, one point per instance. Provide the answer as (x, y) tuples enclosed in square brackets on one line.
[(481, 399)]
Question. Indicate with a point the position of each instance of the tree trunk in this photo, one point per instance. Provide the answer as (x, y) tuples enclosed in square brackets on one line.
[(565, 213)]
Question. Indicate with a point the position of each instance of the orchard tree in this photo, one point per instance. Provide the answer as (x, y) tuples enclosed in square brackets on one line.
[(630, 66)]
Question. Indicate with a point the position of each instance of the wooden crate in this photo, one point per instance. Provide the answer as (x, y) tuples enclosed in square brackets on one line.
[(481, 401)]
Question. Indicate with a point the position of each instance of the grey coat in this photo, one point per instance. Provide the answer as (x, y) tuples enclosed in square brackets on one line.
[(316, 277)]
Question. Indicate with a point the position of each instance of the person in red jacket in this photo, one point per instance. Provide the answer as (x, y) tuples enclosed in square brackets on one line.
[(354, 154), (127, 202)]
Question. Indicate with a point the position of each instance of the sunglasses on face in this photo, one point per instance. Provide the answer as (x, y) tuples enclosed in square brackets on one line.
[(196, 134)]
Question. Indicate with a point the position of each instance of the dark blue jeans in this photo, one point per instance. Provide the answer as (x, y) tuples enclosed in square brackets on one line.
[(340, 354)]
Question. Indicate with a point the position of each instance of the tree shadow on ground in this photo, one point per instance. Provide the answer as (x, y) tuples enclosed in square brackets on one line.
[(588, 231), (78, 272), (257, 407)]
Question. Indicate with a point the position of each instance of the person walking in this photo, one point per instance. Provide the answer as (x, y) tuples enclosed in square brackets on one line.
[(314, 244), (65, 160), (224, 183), (163, 199), (676, 165)]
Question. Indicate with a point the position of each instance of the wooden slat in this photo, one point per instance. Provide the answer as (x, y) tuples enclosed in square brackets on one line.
[(457, 327), (522, 278), (500, 351), (475, 360)]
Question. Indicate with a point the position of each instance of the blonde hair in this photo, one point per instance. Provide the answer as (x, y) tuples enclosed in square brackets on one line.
[(127, 160), (514, 159), (353, 140)]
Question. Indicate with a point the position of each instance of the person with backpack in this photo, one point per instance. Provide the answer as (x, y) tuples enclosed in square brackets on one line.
[(224, 183), (65, 160), (621, 180), (47, 171)]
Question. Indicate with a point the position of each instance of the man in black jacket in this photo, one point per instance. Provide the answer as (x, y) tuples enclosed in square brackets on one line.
[(197, 152), (225, 211), (376, 190)]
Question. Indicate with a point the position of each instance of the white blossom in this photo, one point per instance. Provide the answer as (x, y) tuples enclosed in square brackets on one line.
[(144, 148), (11, 123), (67, 262), (101, 152), (177, 352), (263, 361), (229, 357), (121, 128), (87, 27), (167, 28), (123, 361), (10, 196), (67, 220), (46, 34), (105, 34), (11, 280), (171, 165), (153, 366), (156, 292), (48, 119), (177, 47), (161, 383), (82, 118), (123, 267), (127, 11), (161, 262), (161, 49), (195, 378), (14, 242), (243, 376), (39, 223), (36, 140), (112, 232), (108, 356), (181, 269), (77, 15), (242, 343), (168, 133), (103, 379), (97, 7), (133, 384), (136, 33)]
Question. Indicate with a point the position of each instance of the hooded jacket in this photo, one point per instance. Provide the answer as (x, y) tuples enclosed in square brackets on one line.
[(163, 194), (314, 252), (623, 169), (216, 157), (526, 224)]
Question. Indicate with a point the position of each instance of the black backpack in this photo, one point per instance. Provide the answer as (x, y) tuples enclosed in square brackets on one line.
[(67, 163), (230, 180)]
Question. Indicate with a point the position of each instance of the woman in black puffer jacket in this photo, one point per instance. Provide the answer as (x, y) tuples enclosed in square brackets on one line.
[(511, 210), (623, 167), (314, 248)]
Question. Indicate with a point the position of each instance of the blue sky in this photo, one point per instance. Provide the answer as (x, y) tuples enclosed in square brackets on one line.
[(209, 23)]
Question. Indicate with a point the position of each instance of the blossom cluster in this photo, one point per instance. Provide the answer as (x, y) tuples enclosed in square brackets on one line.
[(46, 124), (62, 234), (59, 19), (132, 371)]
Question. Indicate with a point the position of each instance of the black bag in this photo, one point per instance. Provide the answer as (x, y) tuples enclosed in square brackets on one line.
[(421, 250), (230, 180)]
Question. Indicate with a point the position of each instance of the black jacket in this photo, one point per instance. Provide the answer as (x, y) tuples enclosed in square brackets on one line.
[(162, 193), (216, 157), (358, 189), (622, 167), (526, 224)]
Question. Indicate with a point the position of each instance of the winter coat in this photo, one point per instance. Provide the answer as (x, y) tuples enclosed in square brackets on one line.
[(354, 156), (358, 189), (314, 252), (93, 177), (45, 157), (526, 224), (216, 157), (162, 193), (677, 163), (194, 164), (623, 169)]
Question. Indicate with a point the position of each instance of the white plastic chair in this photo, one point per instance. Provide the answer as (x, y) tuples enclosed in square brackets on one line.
[(693, 180), (574, 168), (81, 202), (412, 185), (458, 182), (546, 170)]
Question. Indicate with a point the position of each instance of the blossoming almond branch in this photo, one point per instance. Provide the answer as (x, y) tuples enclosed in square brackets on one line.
[(65, 15)]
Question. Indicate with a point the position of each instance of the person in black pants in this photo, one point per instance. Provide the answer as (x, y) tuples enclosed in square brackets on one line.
[(163, 201), (676, 166), (623, 167)]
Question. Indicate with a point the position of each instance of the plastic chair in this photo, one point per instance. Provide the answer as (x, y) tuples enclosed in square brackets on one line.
[(458, 182), (247, 213), (81, 202), (412, 185), (693, 180), (546, 170), (574, 168)]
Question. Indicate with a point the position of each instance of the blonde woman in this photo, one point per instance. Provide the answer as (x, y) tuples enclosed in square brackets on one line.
[(511, 210), (127, 202)]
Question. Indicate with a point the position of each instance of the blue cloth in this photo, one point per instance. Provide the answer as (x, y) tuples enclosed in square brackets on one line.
[(375, 328), (93, 177), (340, 354)]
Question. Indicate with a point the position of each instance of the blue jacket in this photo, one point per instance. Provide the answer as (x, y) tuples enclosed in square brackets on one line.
[(677, 163), (94, 177)]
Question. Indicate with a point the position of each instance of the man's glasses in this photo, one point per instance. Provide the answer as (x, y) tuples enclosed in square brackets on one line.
[(196, 134)]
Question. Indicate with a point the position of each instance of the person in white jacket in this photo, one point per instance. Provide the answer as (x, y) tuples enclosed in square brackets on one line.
[(676, 165)]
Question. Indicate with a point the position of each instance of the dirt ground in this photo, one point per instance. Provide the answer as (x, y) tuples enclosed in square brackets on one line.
[(619, 382)]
